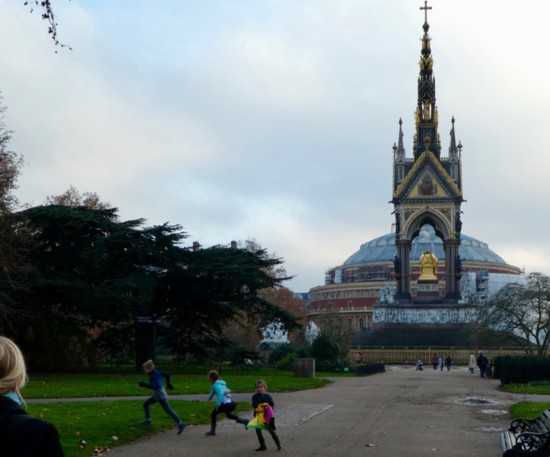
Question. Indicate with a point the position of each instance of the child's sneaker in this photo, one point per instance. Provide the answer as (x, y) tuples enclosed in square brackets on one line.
[(181, 427), (146, 422)]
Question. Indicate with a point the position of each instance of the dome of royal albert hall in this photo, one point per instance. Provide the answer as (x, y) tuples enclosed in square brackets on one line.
[(383, 249)]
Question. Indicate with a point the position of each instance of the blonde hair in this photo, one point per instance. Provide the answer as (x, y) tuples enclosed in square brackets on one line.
[(261, 382), (148, 364), (13, 373)]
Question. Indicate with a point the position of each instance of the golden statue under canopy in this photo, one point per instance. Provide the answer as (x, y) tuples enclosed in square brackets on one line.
[(428, 266)]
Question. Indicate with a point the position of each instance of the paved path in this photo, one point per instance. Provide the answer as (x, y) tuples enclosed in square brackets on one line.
[(400, 413)]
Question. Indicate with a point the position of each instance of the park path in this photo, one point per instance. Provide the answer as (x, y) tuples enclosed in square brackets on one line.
[(401, 412)]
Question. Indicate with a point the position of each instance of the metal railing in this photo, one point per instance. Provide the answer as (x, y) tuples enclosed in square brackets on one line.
[(409, 355)]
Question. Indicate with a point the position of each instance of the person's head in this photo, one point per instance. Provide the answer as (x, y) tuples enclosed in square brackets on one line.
[(261, 386), (213, 376), (13, 373), (148, 366)]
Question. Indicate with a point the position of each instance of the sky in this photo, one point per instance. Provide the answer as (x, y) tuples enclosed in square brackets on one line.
[(274, 120)]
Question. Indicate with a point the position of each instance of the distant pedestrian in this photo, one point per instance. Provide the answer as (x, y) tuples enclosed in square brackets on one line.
[(419, 365), (482, 363), (441, 362), (448, 362), (472, 363), (264, 418), (435, 361), (224, 404), (159, 394), (21, 434)]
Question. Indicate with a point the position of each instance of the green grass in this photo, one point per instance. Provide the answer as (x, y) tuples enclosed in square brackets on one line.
[(110, 385), (527, 389), (528, 409)]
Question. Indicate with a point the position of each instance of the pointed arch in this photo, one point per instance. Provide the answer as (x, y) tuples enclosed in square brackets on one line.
[(438, 222)]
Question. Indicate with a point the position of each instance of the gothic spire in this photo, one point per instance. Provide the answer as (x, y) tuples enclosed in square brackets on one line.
[(426, 114), (453, 150), (400, 151)]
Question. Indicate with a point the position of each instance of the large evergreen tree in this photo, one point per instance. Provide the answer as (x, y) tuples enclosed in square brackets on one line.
[(95, 279), (213, 287), (88, 279)]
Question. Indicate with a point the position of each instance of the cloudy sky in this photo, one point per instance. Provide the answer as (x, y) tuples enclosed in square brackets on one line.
[(275, 119)]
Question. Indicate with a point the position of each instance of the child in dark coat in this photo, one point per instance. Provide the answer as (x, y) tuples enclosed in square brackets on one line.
[(261, 397)]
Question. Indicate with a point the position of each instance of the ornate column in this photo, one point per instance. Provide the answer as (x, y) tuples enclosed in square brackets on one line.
[(452, 270), (402, 271)]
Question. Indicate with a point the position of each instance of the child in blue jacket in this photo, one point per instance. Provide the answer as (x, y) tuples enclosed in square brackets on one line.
[(159, 394), (224, 404)]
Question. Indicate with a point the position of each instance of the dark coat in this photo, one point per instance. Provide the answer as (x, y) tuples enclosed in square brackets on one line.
[(482, 361), (24, 436), (262, 398)]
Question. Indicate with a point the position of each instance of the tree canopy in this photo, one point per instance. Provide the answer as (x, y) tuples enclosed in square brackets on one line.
[(94, 276), (523, 310)]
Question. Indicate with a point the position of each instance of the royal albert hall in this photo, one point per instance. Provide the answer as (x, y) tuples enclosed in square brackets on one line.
[(427, 197)]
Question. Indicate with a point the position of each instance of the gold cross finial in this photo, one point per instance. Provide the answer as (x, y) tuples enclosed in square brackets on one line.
[(426, 8)]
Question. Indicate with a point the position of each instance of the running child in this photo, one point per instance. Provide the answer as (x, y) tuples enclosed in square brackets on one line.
[(159, 394), (224, 404)]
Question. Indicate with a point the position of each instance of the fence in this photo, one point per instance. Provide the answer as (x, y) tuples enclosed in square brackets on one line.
[(409, 355)]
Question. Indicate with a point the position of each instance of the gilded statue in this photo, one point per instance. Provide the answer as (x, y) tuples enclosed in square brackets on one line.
[(428, 266)]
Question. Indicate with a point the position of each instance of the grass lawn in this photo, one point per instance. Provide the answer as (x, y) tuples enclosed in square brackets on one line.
[(110, 385), (528, 409), (527, 389)]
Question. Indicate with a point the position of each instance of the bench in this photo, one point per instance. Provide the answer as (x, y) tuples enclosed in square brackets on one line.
[(540, 424), (527, 437)]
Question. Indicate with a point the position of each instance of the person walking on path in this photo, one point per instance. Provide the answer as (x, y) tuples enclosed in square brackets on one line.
[(482, 363), (259, 400), (472, 363), (441, 362), (435, 361), (224, 404), (159, 394), (21, 434), (448, 362)]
